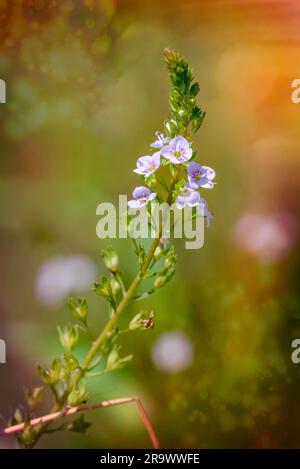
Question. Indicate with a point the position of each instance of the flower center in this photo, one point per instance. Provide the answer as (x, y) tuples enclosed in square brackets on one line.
[(151, 167), (197, 176), (177, 154)]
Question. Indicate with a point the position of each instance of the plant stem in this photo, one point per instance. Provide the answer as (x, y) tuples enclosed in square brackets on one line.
[(53, 416), (129, 293), (96, 345)]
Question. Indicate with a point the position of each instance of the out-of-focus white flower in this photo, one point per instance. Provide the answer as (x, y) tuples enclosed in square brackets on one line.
[(267, 237), (62, 275), (172, 352)]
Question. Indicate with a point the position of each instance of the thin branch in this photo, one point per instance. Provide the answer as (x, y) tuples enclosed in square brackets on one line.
[(86, 408)]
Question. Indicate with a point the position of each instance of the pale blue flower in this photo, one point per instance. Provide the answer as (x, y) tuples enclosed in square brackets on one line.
[(187, 197), (200, 176), (141, 197), (204, 212), (178, 151), (147, 165), (160, 141)]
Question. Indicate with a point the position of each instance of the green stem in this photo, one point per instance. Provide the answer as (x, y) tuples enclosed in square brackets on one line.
[(129, 293), (96, 345)]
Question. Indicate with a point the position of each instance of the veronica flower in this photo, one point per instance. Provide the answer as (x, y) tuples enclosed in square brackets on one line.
[(204, 212), (161, 140), (141, 196), (200, 176), (146, 165), (178, 151), (188, 197)]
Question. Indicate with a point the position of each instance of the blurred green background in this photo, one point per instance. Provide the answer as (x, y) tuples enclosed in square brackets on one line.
[(86, 90)]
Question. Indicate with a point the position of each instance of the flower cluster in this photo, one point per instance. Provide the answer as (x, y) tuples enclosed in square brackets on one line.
[(174, 151)]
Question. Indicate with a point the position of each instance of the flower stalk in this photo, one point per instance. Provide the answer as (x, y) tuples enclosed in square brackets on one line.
[(66, 377)]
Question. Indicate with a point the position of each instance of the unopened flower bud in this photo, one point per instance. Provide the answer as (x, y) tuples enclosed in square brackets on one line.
[(68, 337), (158, 253), (160, 281), (115, 285), (79, 308), (110, 259)]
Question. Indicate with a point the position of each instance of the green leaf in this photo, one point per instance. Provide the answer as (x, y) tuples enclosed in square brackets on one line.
[(144, 295), (194, 90)]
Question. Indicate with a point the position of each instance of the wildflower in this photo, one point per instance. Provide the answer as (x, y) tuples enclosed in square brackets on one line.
[(200, 176), (141, 196), (161, 140), (204, 212), (178, 151), (147, 165), (188, 196)]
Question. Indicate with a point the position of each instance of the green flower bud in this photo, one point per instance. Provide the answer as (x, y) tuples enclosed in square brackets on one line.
[(34, 397), (158, 253), (159, 281), (135, 323), (28, 436), (77, 396), (142, 320), (68, 337), (49, 376), (110, 259), (115, 285), (170, 259), (114, 361), (104, 287), (79, 308)]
